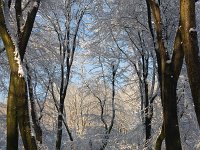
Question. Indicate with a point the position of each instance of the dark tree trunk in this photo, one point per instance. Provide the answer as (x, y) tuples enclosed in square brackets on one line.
[(169, 71), (148, 115), (160, 139), (60, 121), (171, 126), (18, 89), (59, 130), (191, 50)]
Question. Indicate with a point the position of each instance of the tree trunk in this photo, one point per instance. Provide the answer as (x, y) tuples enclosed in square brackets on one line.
[(18, 89), (168, 71), (191, 50), (160, 139), (18, 110), (12, 124), (59, 130), (148, 116), (36, 123), (60, 121), (23, 112), (171, 126)]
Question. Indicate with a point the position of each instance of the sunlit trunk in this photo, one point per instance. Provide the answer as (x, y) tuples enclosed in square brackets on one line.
[(12, 123)]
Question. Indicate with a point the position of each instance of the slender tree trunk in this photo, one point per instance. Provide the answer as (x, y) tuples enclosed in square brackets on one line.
[(108, 130), (147, 116), (59, 130), (160, 139), (60, 121), (36, 123)]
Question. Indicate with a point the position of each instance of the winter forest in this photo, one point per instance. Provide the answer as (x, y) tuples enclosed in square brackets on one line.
[(99, 75)]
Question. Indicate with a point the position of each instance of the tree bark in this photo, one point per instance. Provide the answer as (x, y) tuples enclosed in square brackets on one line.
[(23, 112), (191, 50), (60, 120), (160, 139), (12, 123), (17, 98), (171, 126), (168, 71)]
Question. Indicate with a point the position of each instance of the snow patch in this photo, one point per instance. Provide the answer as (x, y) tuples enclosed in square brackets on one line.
[(14, 39), (32, 134), (192, 30), (197, 145), (20, 66), (168, 61), (35, 4)]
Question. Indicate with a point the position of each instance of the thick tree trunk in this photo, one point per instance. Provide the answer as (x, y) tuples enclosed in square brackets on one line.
[(12, 123), (18, 113), (168, 71), (191, 50), (23, 112), (18, 89), (171, 126)]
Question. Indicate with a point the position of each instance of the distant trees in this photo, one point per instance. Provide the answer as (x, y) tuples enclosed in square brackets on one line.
[(128, 34), (66, 31), (105, 95), (94, 70)]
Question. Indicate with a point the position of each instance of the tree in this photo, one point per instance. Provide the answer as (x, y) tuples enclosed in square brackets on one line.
[(15, 42), (169, 69), (36, 121), (104, 99), (191, 49), (128, 33), (66, 31)]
